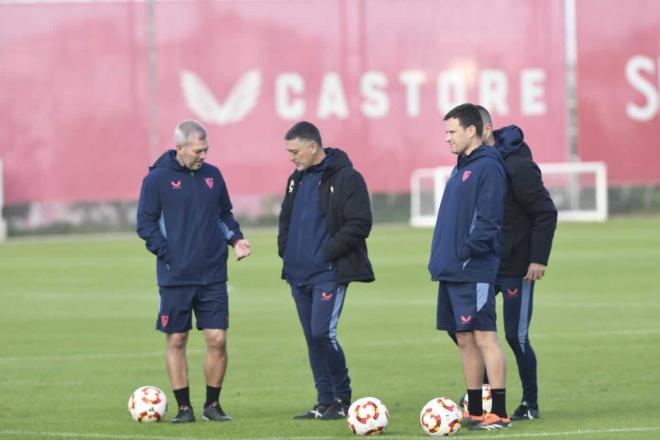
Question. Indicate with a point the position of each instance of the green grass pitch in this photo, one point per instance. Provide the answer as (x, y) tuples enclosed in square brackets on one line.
[(77, 336)]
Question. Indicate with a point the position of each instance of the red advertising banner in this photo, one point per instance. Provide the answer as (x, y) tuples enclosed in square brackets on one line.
[(74, 101), (376, 77), (618, 87)]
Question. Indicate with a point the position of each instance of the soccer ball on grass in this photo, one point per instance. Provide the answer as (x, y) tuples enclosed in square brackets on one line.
[(441, 416), (147, 404), (367, 416)]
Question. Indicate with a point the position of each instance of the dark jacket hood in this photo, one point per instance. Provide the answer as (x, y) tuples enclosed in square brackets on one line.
[(511, 140), (335, 159), (167, 160)]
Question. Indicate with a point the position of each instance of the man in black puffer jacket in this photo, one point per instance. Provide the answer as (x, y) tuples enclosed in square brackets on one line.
[(323, 226), (530, 219)]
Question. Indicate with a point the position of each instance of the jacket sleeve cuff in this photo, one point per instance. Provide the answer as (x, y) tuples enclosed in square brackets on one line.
[(235, 239)]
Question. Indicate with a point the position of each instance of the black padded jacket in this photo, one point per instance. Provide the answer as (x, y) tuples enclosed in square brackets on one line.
[(345, 203), (530, 216)]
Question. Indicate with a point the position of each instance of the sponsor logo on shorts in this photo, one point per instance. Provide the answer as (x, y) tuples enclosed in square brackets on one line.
[(466, 320), (209, 182), (176, 184), (511, 293), (164, 319), (466, 175), (325, 296)]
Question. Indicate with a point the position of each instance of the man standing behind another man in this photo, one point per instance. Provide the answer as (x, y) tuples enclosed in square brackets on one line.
[(465, 259), (530, 219), (323, 226)]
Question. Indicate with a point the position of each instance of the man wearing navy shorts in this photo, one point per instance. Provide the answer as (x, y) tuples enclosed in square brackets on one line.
[(323, 226), (465, 258), (185, 218), (530, 219)]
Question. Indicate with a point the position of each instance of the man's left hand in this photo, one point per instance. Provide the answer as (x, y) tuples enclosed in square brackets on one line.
[(242, 249), (535, 272)]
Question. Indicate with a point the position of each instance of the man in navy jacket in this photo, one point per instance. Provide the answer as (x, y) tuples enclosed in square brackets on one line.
[(530, 219), (323, 226), (184, 216), (465, 258)]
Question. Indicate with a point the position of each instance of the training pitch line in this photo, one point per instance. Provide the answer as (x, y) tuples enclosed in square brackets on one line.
[(97, 435)]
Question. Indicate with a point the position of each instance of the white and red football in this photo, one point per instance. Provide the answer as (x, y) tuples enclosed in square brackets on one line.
[(367, 416), (441, 416), (147, 404)]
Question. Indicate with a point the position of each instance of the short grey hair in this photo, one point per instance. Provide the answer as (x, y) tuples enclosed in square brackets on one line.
[(186, 130)]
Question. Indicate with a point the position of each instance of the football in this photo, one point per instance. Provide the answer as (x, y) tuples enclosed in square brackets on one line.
[(441, 416), (367, 416), (486, 399), (147, 404)]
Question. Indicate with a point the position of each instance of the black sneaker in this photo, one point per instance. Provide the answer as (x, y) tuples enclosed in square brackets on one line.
[(315, 413), (525, 412), (214, 413), (185, 415), (337, 410)]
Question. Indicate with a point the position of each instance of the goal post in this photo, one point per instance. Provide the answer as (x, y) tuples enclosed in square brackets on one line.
[(579, 190), (426, 188)]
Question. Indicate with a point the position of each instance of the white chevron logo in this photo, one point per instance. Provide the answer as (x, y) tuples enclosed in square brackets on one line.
[(239, 102)]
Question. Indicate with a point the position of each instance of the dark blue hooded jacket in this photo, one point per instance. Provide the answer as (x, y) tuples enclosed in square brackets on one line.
[(466, 240), (185, 219)]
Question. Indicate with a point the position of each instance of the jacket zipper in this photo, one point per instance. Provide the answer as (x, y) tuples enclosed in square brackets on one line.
[(201, 242), (300, 237)]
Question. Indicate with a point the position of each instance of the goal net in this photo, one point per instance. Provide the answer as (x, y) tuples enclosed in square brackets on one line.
[(579, 190)]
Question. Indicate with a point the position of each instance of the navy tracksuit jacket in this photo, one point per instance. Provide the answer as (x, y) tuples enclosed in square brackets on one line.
[(466, 240), (185, 219)]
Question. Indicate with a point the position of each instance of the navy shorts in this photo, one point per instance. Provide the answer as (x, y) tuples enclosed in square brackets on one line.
[(465, 307), (210, 303)]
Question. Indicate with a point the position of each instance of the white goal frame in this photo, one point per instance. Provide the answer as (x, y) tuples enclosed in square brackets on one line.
[(572, 169)]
